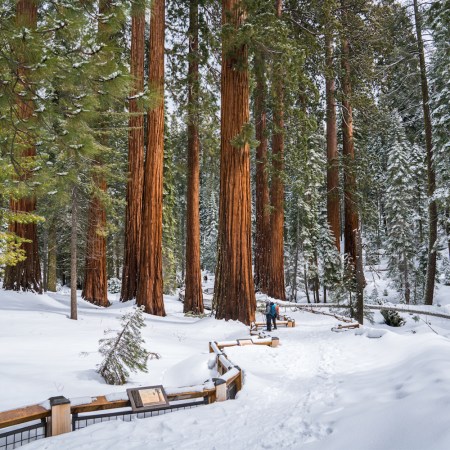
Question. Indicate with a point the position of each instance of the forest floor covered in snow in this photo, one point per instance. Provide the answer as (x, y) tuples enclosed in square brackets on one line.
[(318, 390)]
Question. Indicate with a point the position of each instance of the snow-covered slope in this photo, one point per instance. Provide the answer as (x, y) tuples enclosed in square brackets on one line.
[(318, 390)]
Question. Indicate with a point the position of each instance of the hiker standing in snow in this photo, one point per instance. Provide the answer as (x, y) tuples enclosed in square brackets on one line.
[(273, 313), (268, 316)]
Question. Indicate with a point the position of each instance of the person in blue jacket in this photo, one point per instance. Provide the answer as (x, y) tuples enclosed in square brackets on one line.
[(273, 314), (268, 316)]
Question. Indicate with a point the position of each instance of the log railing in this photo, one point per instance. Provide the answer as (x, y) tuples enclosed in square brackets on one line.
[(58, 414)]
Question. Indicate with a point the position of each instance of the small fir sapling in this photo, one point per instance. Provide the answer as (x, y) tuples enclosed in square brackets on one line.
[(124, 351), (392, 318), (114, 285)]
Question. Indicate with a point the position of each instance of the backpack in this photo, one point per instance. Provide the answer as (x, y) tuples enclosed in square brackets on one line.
[(273, 310)]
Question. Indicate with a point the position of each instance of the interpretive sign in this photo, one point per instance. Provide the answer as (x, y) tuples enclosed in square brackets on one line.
[(147, 398)]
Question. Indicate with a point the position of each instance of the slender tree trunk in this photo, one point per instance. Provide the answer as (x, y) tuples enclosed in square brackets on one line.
[(262, 258), (431, 178), (333, 202), (234, 295), (447, 228), (25, 275), (351, 224), (150, 285), (135, 183), (194, 295), (276, 286), (73, 254), (51, 279), (95, 288)]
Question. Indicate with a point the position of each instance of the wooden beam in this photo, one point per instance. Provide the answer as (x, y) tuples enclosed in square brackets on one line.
[(22, 415)]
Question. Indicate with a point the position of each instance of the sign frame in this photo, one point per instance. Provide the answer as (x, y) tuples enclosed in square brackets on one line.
[(136, 399)]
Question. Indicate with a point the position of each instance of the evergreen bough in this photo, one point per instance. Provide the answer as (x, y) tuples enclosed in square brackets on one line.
[(124, 352), (392, 318)]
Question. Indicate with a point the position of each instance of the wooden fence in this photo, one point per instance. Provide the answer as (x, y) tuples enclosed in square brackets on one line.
[(60, 415)]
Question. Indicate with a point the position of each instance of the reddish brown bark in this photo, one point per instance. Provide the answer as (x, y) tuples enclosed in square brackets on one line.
[(262, 185), (25, 275), (333, 202), (193, 300), (95, 288), (276, 286), (431, 174), (135, 161), (352, 236), (234, 295), (150, 284)]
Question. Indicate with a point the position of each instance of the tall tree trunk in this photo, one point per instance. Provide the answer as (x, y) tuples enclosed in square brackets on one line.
[(73, 254), (262, 236), (276, 286), (135, 183), (193, 300), (51, 278), (431, 175), (351, 216), (333, 202), (150, 285), (25, 275), (95, 288), (234, 295)]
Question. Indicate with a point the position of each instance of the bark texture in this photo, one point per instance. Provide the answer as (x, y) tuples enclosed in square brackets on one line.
[(234, 295), (431, 174), (73, 255), (95, 288), (262, 184), (25, 275), (150, 285), (351, 220), (135, 183), (193, 295), (333, 201), (276, 287)]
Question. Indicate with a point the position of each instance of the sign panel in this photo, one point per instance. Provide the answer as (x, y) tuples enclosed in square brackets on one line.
[(147, 398)]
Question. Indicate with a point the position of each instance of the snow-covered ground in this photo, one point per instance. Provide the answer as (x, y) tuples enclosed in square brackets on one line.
[(317, 390)]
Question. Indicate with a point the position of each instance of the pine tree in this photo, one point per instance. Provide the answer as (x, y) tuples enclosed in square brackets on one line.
[(400, 246), (124, 352)]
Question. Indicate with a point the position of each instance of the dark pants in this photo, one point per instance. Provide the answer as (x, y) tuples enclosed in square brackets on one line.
[(269, 322), (274, 320)]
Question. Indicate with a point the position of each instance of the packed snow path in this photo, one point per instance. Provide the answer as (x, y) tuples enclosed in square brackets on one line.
[(317, 390)]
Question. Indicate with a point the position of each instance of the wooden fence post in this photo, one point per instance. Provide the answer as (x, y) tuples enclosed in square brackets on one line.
[(221, 389), (275, 341), (60, 420)]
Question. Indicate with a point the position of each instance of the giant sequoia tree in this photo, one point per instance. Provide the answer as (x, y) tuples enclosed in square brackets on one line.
[(193, 295), (150, 276), (135, 157), (234, 295), (25, 274), (352, 234), (276, 287)]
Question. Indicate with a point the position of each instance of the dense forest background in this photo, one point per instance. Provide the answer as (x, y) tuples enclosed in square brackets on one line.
[(143, 141)]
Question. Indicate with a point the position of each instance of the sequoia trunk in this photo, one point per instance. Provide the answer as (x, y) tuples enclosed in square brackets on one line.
[(234, 295), (135, 160), (262, 186), (150, 284), (351, 218), (193, 296), (276, 286), (333, 203), (25, 275)]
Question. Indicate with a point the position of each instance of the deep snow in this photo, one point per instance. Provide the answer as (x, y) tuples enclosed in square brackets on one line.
[(317, 390)]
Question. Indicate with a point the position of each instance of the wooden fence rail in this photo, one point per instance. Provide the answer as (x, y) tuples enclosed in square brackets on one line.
[(58, 412)]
